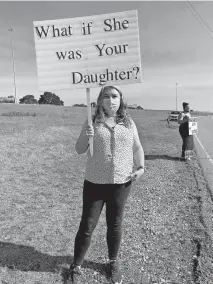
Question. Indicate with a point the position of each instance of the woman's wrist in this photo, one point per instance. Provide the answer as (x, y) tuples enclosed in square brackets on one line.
[(140, 168)]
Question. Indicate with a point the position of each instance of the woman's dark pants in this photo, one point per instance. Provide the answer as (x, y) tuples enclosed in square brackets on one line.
[(188, 141), (94, 198)]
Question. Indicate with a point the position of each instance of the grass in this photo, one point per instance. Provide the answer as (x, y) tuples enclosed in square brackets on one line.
[(17, 113), (41, 202)]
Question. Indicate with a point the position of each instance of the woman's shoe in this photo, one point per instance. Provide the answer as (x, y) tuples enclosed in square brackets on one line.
[(114, 273), (73, 275)]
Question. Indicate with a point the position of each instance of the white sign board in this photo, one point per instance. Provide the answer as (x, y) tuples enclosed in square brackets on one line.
[(193, 125), (88, 51)]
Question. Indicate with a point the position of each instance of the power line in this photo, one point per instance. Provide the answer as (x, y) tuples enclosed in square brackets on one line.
[(199, 18)]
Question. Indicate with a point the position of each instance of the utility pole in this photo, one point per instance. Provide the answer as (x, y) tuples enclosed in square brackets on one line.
[(176, 96), (13, 59)]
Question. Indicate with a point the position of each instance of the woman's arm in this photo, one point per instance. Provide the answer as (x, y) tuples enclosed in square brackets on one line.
[(83, 141), (182, 118), (138, 152)]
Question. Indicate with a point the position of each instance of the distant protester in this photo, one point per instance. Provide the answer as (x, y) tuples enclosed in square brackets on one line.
[(108, 178), (188, 142)]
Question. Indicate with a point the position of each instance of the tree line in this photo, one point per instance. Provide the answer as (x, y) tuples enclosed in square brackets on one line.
[(47, 98), (93, 104), (52, 99)]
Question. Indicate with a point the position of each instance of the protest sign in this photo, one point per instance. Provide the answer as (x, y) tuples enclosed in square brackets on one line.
[(87, 52), (193, 129)]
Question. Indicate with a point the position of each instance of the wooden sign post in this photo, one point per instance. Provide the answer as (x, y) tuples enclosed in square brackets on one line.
[(89, 116)]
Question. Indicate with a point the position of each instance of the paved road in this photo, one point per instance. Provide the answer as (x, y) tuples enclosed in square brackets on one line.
[(204, 146)]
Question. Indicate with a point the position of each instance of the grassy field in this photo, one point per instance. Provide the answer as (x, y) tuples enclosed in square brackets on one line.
[(165, 238)]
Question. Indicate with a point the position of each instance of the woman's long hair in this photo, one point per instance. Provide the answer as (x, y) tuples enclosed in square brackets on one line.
[(121, 115)]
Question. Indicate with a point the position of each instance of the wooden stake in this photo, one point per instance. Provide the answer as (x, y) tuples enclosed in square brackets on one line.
[(89, 119)]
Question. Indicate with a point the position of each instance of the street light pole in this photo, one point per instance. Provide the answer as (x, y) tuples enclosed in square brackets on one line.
[(176, 96), (13, 58)]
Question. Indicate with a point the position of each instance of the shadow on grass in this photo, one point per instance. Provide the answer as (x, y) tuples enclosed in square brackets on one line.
[(26, 258), (162, 157)]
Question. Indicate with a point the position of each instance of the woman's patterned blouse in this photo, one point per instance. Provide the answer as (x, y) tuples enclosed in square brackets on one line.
[(112, 160)]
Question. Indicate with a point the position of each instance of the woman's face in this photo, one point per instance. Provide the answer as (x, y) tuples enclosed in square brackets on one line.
[(187, 108), (111, 101)]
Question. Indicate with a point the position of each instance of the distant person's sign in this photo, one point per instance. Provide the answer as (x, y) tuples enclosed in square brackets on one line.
[(193, 126), (88, 51)]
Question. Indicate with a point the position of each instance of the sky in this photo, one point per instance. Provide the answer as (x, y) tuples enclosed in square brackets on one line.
[(176, 48)]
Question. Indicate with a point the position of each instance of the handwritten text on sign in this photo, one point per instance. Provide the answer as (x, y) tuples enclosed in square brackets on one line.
[(88, 52)]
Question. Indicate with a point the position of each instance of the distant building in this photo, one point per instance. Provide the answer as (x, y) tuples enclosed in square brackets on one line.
[(134, 106), (9, 99)]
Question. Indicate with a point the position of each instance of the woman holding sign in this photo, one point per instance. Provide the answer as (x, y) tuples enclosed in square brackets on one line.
[(108, 178), (188, 143)]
